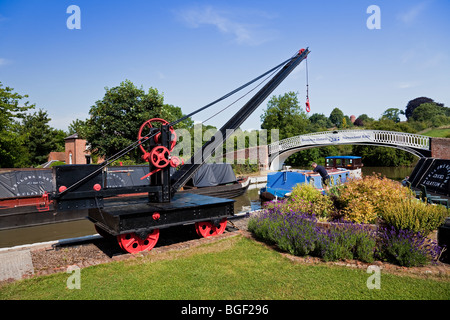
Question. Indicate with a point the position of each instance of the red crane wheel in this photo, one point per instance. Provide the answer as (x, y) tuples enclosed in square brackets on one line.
[(159, 157), (148, 124)]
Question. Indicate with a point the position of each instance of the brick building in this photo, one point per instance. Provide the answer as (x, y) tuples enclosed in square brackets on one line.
[(75, 152)]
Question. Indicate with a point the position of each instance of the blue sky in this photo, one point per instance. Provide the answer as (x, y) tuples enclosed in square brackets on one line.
[(196, 51)]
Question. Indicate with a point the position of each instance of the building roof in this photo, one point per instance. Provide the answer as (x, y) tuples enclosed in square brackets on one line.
[(73, 136)]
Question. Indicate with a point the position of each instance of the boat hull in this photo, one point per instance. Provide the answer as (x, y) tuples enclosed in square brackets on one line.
[(19, 214)]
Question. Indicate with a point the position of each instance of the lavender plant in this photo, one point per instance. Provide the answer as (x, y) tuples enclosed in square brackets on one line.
[(406, 248), (298, 233), (347, 241)]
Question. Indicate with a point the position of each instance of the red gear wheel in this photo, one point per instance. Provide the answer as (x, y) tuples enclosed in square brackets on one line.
[(159, 157), (148, 124)]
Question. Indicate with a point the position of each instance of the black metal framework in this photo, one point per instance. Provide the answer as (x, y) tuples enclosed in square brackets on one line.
[(84, 187)]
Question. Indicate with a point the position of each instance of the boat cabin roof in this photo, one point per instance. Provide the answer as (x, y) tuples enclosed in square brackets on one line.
[(343, 157), (347, 162)]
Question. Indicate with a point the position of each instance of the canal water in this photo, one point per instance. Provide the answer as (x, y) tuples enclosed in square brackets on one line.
[(247, 202)]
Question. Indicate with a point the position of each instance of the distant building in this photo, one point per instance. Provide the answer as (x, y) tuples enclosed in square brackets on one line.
[(352, 118), (76, 152)]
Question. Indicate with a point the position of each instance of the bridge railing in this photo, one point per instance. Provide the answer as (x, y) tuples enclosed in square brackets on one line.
[(401, 139)]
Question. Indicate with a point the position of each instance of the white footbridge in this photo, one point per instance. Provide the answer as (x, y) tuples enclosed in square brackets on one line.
[(416, 144)]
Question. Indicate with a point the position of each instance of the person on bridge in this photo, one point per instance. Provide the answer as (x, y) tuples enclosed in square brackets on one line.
[(323, 173)]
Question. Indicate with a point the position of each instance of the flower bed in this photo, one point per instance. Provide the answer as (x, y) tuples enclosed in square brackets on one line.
[(399, 236)]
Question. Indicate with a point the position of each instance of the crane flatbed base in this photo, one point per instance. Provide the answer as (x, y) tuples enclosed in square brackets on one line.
[(128, 215)]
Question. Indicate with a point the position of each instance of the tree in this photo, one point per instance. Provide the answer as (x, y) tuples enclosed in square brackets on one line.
[(336, 117), (285, 114), (383, 156), (79, 127), (432, 112), (11, 111), (116, 119), (413, 104), (319, 122), (363, 120), (392, 114), (40, 138)]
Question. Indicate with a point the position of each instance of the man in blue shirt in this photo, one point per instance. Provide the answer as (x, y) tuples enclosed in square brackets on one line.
[(323, 173)]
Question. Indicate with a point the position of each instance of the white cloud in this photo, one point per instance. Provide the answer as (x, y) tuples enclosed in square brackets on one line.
[(4, 62), (406, 85), (226, 22), (412, 13), (161, 75)]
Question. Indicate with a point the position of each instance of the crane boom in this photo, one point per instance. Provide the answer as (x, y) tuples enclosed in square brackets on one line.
[(84, 186), (183, 175)]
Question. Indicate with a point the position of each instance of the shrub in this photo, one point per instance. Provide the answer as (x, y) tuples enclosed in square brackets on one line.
[(363, 200), (293, 232), (347, 241), (306, 192), (306, 198), (298, 234), (406, 248), (414, 215)]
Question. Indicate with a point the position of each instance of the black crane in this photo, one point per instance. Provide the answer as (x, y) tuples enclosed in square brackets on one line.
[(136, 221)]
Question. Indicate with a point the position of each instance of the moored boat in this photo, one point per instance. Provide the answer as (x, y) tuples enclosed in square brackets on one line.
[(21, 191), (339, 168)]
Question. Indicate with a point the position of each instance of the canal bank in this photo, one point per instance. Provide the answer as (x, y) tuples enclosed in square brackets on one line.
[(244, 203), (67, 255)]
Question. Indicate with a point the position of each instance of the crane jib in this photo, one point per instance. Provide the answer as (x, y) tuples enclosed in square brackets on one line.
[(189, 169), (84, 186)]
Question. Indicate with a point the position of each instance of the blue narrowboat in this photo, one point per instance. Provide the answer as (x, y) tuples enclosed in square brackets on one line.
[(339, 168)]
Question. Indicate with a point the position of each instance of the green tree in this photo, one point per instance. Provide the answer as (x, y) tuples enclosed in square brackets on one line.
[(319, 122), (11, 111), (383, 156), (336, 117), (115, 120), (437, 114), (415, 103), (363, 120), (40, 138), (285, 114), (79, 127), (392, 114)]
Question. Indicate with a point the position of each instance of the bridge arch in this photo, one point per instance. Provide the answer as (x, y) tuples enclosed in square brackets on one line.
[(416, 144)]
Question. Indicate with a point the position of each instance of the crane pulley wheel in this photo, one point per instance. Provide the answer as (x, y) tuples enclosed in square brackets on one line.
[(160, 157), (148, 124)]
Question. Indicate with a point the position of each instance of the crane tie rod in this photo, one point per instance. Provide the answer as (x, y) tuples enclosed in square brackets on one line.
[(150, 135)]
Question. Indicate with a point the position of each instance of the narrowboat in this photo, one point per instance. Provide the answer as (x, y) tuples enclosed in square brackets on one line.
[(339, 168)]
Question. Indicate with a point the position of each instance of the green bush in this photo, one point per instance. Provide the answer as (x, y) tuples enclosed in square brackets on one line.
[(320, 205), (298, 234), (406, 248), (414, 215), (363, 200), (347, 241)]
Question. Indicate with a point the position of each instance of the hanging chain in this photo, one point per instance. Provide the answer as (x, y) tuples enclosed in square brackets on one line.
[(308, 107)]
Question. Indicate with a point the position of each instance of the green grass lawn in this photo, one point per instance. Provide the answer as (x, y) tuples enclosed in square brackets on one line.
[(438, 133), (235, 268)]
